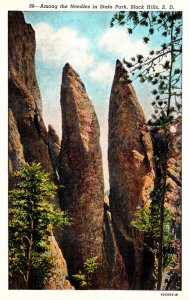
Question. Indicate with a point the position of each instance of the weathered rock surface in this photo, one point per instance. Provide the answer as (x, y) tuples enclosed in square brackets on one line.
[(81, 175), (16, 153), (174, 172), (54, 149), (173, 196), (24, 96), (28, 138), (130, 157), (22, 46), (116, 276), (57, 280)]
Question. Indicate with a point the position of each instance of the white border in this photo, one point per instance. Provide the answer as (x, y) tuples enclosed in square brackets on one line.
[(5, 294)]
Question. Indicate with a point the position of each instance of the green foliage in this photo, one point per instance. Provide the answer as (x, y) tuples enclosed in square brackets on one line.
[(90, 265), (42, 262), (32, 219), (85, 277), (82, 280), (147, 220)]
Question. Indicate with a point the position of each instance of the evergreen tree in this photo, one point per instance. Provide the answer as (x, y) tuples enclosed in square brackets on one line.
[(32, 219)]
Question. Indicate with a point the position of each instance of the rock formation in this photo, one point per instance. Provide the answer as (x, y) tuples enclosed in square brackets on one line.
[(81, 175), (57, 280), (54, 149), (172, 200), (130, 157), (174, 172), (28, 138), (16, 153), (116, 276), (98, 229), (22, 44), (24, 95)]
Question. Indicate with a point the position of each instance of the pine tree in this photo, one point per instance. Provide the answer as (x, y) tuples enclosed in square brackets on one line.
[(32, 219)]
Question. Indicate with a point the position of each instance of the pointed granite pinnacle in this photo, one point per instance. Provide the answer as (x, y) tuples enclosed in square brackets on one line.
[(121, 74), (70, 75), (81, 175), (130, 157)]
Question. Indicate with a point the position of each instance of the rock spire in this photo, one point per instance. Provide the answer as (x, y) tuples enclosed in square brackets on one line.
[(130, 157), (81, 175)]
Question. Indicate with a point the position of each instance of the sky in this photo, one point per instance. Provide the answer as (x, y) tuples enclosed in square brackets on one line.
[(86, 41)]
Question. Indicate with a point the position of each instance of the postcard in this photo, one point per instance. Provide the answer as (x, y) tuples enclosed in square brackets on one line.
[(94, 150)]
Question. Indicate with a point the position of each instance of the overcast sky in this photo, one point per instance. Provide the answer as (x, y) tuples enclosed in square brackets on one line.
[(86, 41)]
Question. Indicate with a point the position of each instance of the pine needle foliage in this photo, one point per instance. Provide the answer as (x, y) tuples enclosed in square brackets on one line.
[(84, 277), (32, 219)]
